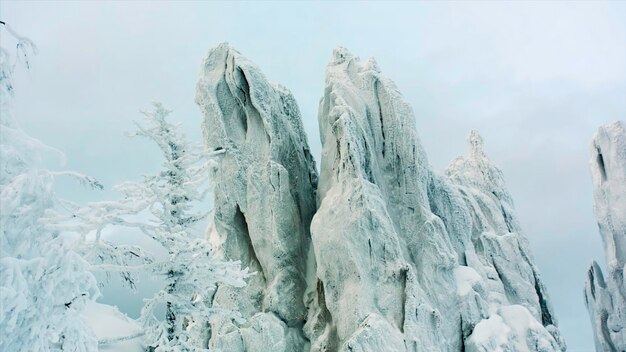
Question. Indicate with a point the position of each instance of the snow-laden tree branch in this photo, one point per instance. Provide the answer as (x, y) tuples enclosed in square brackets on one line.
[(170, 201), (44, 284)]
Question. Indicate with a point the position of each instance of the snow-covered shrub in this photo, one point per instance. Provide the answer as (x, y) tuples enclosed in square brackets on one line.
[(44, 284)]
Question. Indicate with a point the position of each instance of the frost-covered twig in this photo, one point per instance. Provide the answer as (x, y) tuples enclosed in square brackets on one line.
[(115, 340), (82, 178)]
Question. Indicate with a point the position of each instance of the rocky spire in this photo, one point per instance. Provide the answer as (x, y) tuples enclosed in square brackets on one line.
[(606, 296), (383, 259), (497, 281), (264, 199), (476, 145)]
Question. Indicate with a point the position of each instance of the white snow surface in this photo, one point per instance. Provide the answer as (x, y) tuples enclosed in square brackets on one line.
[(510, 328), (396, 258), (466, 279), (606, 296), (108, 323)]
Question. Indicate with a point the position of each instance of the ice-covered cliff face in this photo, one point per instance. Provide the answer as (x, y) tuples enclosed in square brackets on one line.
[(606, 297), (385, 255)]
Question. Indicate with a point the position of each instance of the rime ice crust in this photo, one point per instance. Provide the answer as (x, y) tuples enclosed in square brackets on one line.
[(606, 296), (397, 257), (264, 199)]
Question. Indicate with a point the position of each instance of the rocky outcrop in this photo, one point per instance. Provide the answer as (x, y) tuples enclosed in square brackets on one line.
[(385, 255), (393, 240), (264, 198), (384, 261), (606, 297), (503, 301)]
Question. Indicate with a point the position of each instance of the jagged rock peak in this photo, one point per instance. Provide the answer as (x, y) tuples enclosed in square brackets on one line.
[(366, 108), (341, 55), (476, 145), (264, 198), (606, 296), (396, 257), (384, 263), (497, 280)]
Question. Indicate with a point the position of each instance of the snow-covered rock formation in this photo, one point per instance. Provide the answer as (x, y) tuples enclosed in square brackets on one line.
[(606, 297), (384, 255), (503, 301), (264, 199), (384, 263), (393, 240)]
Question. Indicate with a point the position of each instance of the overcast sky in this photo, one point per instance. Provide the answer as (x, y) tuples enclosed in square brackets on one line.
[(535, 78)]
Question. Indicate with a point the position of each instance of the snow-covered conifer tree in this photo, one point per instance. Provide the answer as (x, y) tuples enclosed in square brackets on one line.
[(44, 285), (169, 199)]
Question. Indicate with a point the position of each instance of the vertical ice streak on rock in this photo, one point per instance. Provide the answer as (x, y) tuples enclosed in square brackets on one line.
[(264, 199), (606, 296), (384, 261), (497, 281)]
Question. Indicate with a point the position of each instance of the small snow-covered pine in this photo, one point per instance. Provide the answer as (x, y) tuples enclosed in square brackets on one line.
[(168, 202)]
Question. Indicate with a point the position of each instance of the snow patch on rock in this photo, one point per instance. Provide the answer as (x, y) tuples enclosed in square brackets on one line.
[(466, 279), (510, 328)]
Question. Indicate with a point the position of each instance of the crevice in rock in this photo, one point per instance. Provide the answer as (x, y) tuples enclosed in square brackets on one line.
[(463, 334), (601, 167), (503, 280), (403, 278), (244, 88), (369, 244), (240, 94), (605, 331), (380, 116), (592, 283), (325, 318), (242, 225), (505, 215), (546, 317)]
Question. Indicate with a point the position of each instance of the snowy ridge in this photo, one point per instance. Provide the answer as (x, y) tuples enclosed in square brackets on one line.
[(606, 296), (397, 257)]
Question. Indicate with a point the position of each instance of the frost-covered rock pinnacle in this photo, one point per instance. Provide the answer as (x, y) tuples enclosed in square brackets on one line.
[(385, 255), (606, 296), (503, 302), (264, 199), (401, 238)]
